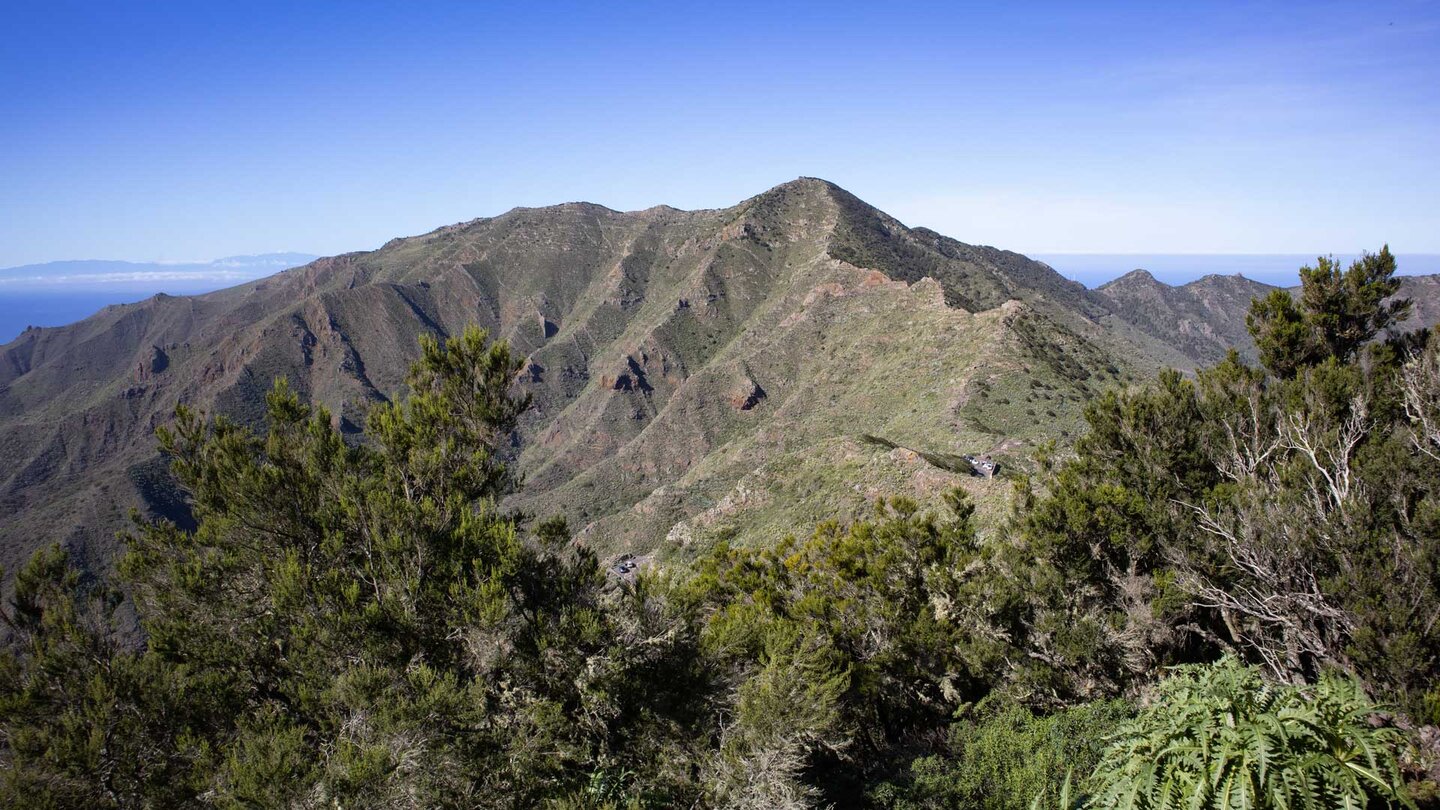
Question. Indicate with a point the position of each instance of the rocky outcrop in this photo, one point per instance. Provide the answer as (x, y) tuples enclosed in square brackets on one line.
[(746, 395), (155, 362)]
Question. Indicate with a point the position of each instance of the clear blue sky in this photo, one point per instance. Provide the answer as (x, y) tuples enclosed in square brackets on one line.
[(200, 129)]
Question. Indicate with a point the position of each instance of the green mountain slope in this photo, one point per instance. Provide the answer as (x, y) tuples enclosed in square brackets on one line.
[(695, 373)]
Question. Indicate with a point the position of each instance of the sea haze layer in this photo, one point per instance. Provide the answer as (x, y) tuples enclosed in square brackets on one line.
[(1280, 269), (57, 293)]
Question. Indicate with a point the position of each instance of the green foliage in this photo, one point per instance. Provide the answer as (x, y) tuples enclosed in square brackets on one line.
[(1284, 338), (363, 625), (356, 625), (1289, 518), (1222, 737), (1003, 756), (1078, 600), (839, 648), (1347, 308), (85, 723), (1338, 313)]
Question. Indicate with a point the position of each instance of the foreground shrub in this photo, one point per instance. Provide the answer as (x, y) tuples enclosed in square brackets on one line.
[(1003, 754)]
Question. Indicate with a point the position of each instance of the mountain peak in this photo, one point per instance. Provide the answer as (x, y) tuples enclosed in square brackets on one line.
[(1135, 278), (1236, 279), (804, 183), (804, 187)]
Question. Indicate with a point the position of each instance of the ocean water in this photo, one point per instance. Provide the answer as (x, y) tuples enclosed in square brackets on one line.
[(21, 309), (59, 305)]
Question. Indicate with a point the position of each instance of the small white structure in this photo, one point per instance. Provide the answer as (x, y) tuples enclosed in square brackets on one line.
[(983, 466)]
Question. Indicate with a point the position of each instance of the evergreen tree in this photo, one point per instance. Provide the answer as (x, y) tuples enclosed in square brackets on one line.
[(1286, 517), (1338, 312), (837, 652), (84, 722), (1284, 337), (357, 626)]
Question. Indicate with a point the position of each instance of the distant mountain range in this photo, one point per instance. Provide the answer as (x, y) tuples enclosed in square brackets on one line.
[(737, 373), (1094, 269), (1206, 318), (98, 272)]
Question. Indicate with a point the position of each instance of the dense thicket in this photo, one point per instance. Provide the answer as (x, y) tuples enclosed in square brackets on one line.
[(365, 626), (1288, 515)]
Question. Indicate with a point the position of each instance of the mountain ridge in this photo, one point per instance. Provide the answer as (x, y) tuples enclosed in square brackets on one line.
[(682, 363), (1206, 317)]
